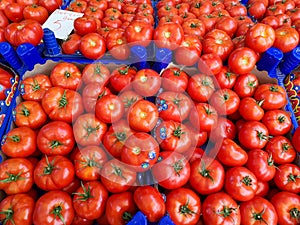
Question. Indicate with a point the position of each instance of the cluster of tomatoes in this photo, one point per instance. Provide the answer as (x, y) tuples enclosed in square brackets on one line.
[(87, 138), (21, 20), (5, 83)]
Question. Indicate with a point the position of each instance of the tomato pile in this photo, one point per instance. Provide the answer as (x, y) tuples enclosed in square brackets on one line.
[(94, 143)]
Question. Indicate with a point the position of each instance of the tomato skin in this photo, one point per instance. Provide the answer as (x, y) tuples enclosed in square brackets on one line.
[(50, 5), (117, 45), (122, 77), (287, 178), (180, 197), (225, 128), (225, 79), (250, 109), (56, 138), (286, 38), (277, 121), (139, 33), (246, 85), (5, 82), (286, 204), (62, 104), (207, 175), (212, 61), (71, 44), (92, 46), (263, 189), (150, 202), (84, 25), (81, 221), (296, 139), (4, 20), (231, 154), (30, 114), (89, 130), (215, 204), (22, 206), (31, 32), (146, 82), (241, 183), (96, 73), (53, 200), (198, 137), (36, 12), (12, 168), (257, 210), (174, 79), (14, 12)]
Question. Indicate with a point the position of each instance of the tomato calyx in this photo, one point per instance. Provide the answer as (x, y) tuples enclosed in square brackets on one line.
[(57, 213), (20, 27), (292, 178), (167, 34), (295, 213), (49, 168), (185, 210), (273, 88), (285, 147), (138, 29), (117, 171), (12, 178), (85, 195), (103, 93), (15, 138), (271, 161), (261, 135), (178, 166), (260, 102), (8, 216), (124, 71), (129, 101), (225, 96), (136, 150), (281, 119), (89, 130), (259, 216), (62, 103), (226, 211), (193, 25), (55, 144), (247, 180), (67, 74), (25, 111), (178, 132), (97, 70), (127, 216), (208, 111), (35, 86), (205, 172), (121, 136)]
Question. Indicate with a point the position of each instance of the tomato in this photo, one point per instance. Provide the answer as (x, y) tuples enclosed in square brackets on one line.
[(88, 130), (209, 21), (4, 20), (117, 45), (231, 154), (258, 210), (71, 44), (122, 77), (207, 175), (88, 162), (287, 178), (273, 96), (19, 142), (36, 12), (198, 137), (286, 38), (50, 5), (140, 151), (246, 85), (27, 31), (174, 79), (34, 87), (72, 187), (284, 19), (92, 46), (167, 10), (257, 9), (220, 208), (263, 188), (17, 209), (85, 25), (227, 24), (142, 116), (242, 60), (4, 3), (178, 106), (120, 208), (296, 139), (117, 177), (241, 183), (287, 206), (16, 176), (96, 73), (30, 114), (225, 128), (81, 221), (89, 200), (212, 61), (201, 87), (111, 22), (168, 35), (14, 12), (225, 101), (146, 82), (184, 206), (272, 21), (250, 109), (139, 33), (53, 173), (173, 171), (62, 104), (219, 42), (225, 79), (277, 121), (94, 12), (78, 6), (27, 2), (194, 27), (150, 202), (129, 98), (2, 39), (204, 116), (54, 207)]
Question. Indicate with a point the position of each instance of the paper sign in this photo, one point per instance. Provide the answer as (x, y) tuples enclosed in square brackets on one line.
[(61, 22)]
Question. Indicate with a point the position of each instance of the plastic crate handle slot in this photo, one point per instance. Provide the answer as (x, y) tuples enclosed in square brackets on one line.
[(52, 47), (10, 56)]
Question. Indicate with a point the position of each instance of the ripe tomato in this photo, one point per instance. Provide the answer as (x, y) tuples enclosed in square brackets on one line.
[(62, 104), (34, 88), (246, 85), (273, 96), (287, 206), (27, 31), (225, 101), (14, 12), (194, 27), (54, 207), (129, 98), (287, 178), (212, 61), (286, 38), (72, 187), (253, 135), (241, 183), (184, 206), (88, 130), (168, 35), (2, 39), (96, 73), (35, 12), (139, 33), (277, 121), (220, 208), (257, 9), (263, 189), (19, 142), (5, 82), (4, 3), (53, 173), (174, 79), (92, 46), (50, 5), (258, 210), (120, 208), (231, 154), (167, 10), (117, 45), (150, 202), (84, 25), (30, 114), (89, 200), (88, 162), (16, 176), (296, 139), (66, 75), (140, 151), (250, 109), (81, 221), (56, 138), (71, 44), (146, 82), (227, 24), (207, 175), (242, 60), (117, 177), (225, 128), (225, 78), (198, 137), (122, 77)]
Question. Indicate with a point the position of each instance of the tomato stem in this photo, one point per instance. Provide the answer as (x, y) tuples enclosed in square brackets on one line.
[(12, 178), (184, 209), (127, 216), (295, 213), (292, 178), (117, 171), (121, 136), (15, 138), (129, 101), (55, 144), (89, 130), (25, 111), (49, 168), (178, 132), (85, 195), (205, 172), (285, 147), (247, 181), (35, 86), (62, 103), (281, 119), (57, 213), (67, 74), (178, 166), (8, 216), (259, 216), (226, 211)]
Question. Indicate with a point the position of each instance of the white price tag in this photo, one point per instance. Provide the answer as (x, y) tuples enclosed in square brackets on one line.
[(61, 22)]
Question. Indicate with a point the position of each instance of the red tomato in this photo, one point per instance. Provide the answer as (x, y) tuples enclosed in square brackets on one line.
[(36, 12), (54, 207), (286, 38), (85, 25), (16, 176), (174, 79), (287, 178), (146, 82), (5, 83), (27, 31), (117, 44), (27, 2), (92, 46), (225, 128), (250, 109), (2, 39), (4, 3), (212, 61), (96, 73), (225, 79), (277, 121), (122, 77), (3, 20), (246, 85), (139, 33), (227, 24), (198, 137), (296, 139), (14, 12), (53, 173), (71, 44), (263, 189), (50, 5), (81, 221)]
